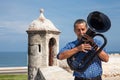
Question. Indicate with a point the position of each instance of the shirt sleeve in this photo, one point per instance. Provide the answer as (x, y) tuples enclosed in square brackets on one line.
[(99, 43), (67, 47)]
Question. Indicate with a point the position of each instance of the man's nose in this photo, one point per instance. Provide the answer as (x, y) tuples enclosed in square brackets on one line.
[(82, 32)]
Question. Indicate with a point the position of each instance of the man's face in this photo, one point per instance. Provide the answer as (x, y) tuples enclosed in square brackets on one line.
[(80, 30)]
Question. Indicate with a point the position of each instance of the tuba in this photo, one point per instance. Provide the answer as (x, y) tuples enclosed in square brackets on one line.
[(98, 23)]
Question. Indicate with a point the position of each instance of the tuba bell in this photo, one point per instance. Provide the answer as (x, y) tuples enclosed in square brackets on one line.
[(98, 23)]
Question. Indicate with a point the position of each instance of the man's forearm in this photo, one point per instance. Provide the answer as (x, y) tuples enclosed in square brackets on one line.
[(68, 53), (104, 56)]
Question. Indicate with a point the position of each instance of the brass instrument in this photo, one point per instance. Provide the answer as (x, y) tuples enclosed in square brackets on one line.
[(98, 23)]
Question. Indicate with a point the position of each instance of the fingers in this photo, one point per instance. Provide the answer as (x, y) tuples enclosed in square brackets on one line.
[(85, 47)]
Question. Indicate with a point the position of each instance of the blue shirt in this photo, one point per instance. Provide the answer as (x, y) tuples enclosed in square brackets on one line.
[(95, 69)]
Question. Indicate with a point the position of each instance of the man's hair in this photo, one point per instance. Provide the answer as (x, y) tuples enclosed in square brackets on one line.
[(78, 21)]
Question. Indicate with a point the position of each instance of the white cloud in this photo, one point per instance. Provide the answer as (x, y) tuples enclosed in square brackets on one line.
[(13, 26)]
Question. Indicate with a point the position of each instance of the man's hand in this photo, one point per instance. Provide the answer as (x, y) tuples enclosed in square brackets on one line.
[(84, 47)]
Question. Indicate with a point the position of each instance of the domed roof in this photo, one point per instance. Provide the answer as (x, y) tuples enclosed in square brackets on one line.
[(42, 24)]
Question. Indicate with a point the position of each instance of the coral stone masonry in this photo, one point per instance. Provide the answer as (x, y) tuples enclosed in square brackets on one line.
[(43, 45)]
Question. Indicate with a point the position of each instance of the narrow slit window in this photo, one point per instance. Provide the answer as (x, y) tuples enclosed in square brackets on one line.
[(39, 47)]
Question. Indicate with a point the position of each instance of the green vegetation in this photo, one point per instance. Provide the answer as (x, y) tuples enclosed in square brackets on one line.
[(13, 76)]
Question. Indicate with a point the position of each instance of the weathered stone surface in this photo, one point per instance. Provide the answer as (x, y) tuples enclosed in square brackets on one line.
[(43, 45)]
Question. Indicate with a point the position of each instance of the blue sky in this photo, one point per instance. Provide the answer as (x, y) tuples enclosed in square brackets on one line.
[(16, 15)]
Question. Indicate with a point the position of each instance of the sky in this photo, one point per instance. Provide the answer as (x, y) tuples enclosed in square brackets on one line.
[(16, 16)]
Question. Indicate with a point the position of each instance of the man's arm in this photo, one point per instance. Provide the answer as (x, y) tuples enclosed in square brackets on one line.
[(104, 56), (68, 53)]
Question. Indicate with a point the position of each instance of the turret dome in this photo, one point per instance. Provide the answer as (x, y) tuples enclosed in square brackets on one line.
[(42, 23)]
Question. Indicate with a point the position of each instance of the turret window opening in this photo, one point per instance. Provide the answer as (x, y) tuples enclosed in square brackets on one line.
[(39, 47)]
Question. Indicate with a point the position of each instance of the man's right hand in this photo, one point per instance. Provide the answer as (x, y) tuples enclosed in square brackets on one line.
[(84, 47)]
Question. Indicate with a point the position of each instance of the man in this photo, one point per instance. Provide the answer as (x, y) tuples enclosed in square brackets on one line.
[(94, 71)]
